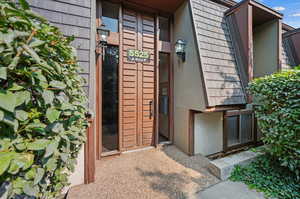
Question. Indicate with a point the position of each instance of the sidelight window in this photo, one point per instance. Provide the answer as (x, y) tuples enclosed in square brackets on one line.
[(110, 99)]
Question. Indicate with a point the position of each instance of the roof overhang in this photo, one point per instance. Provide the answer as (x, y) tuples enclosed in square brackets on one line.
[(287, 27), (261, 13), (228, 3), (291, 33), (163, 6)]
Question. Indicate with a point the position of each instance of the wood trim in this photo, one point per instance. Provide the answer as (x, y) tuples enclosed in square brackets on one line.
[(120, 133), (255, 130), (228, 3), (279, 45), (89, 154), (225, 134), (287, 27), (250, 51), (140, 114), (291, 32), (140, 7), (236, 7), (265, 8), (223, 108), (98, 98), (165, 47), (237, 112), (111, 153), (191, 133), (250, 40), (156, 66), (114, 38), (171, 84)]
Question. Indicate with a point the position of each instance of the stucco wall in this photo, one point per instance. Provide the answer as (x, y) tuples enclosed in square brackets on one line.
[(77, 177), (265, 49), (208, 129), (188, 93), (181, 130)]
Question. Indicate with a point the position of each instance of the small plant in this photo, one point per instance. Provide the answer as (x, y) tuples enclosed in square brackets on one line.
[(278, 111), (42, 105), (266, 175)]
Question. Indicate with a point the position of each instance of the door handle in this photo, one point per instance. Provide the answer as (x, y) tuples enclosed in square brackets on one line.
[(151, 109)]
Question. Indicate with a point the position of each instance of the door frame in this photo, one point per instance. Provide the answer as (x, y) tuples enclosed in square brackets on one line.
[(160, 46), (167, 48), (113, 39)]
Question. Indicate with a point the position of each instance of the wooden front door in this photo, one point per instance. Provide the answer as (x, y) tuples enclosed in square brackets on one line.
[(138, 81)]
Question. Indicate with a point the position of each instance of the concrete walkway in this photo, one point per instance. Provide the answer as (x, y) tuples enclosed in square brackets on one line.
[(229, 190), (164, 173)]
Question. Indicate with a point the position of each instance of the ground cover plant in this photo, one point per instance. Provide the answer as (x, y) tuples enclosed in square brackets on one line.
[(42, 105), (266, 175)]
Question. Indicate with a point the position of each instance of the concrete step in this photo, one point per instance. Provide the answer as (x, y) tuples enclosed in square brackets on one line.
[(223, 167)]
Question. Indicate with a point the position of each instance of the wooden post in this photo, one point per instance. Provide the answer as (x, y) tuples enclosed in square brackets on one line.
[(89, 154)]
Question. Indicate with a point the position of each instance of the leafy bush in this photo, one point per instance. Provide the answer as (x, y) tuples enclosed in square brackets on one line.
[(278, 113), (266, 175), (42, 105)]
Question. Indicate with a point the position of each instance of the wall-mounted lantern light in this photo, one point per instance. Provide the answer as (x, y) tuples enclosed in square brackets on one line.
[(180, 48), (103, 34)]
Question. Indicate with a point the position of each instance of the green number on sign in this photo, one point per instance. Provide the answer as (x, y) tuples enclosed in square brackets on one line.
[(131, 53)]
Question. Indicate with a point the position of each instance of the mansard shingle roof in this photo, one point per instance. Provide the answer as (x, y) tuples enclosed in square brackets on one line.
[(218, 62)]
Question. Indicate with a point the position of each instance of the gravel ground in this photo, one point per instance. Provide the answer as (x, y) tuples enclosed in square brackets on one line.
[(157, 173)]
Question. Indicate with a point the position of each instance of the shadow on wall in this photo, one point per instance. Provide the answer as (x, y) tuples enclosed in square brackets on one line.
[(231, 86), (233, 81), (237, 95)]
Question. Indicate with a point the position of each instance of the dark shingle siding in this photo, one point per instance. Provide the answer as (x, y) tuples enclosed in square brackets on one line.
[(73, 18), (218, 62), (287, 57)]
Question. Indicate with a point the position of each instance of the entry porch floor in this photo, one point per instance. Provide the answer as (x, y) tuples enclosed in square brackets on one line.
[(164, 173)]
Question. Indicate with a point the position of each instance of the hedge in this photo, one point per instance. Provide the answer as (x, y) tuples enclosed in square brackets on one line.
[(42, 105), (278, 111)]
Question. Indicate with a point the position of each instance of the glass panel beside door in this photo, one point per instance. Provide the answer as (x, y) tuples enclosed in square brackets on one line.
[(110, 99), (164, 98)]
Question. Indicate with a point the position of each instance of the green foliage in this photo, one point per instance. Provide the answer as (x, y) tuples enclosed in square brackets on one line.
[(266, 175), (42, 105), (278, 113)]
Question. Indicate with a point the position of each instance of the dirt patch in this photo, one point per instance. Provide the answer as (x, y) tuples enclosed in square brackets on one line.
[(158, 173)]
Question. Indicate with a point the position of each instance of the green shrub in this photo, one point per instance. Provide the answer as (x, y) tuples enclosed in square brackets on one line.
[(278, 112), (266, 175), (42, 105)]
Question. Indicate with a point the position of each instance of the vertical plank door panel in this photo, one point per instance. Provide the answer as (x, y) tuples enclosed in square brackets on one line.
[(138, 81)]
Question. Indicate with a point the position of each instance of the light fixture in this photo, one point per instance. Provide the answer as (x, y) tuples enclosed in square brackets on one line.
[(180, 48), (103, 34)]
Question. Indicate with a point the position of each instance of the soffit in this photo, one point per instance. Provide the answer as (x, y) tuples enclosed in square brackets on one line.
[(165, 6), (261, 13)]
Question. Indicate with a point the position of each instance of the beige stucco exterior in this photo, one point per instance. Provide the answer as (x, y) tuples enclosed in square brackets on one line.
[(208, 133), (77, 177), (188, 89), (265, 49)]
